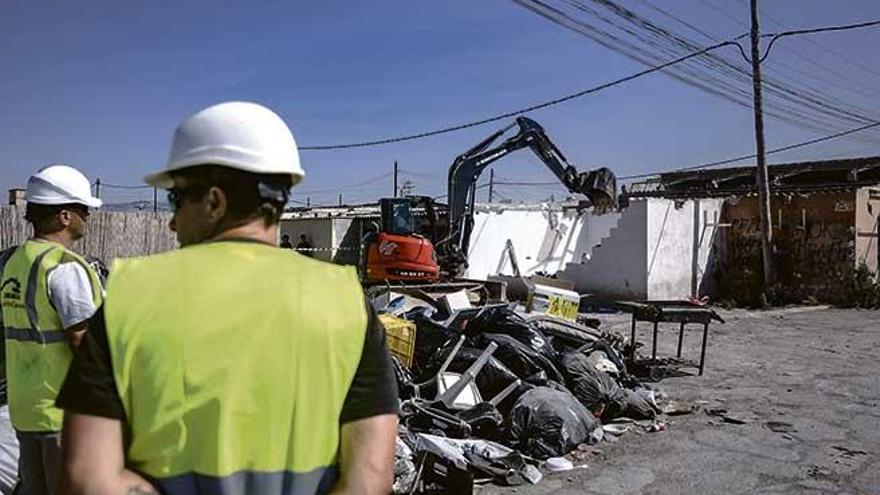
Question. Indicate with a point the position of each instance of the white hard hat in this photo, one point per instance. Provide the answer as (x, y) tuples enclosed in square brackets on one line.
[(240, 135), (58, 185)]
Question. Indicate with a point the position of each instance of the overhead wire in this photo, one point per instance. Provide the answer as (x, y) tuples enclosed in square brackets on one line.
[(789, 68), (812, 102), (748, 157), (806, 58), (531, 108), (837, 54)]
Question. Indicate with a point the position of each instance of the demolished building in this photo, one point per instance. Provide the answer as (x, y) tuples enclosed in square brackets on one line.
[(825, 218)]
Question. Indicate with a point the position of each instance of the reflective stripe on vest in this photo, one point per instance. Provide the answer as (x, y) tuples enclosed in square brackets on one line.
[(233, 361), (250, 482), (37, 353)]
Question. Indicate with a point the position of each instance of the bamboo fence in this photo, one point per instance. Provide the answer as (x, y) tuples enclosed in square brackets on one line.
[(110, 234)]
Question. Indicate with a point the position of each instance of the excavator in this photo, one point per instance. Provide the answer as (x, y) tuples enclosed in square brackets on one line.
[(398, 253)]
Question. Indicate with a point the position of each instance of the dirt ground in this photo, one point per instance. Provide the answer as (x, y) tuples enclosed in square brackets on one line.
[(804, 380)]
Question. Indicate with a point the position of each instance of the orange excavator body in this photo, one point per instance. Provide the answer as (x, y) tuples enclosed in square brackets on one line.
[(401, 258)]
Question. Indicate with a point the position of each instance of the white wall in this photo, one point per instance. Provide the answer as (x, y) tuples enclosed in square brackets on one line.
[(543, 239), (679, 243), (660, 249)]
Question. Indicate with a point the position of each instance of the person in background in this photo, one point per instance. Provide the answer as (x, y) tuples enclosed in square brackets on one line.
[(48, 292), (285, 242), (305, 247), (229, 367)]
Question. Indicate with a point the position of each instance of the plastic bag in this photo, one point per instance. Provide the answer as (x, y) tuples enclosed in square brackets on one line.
[(523, 360), (548, 423), (599, 392), (503, 320)]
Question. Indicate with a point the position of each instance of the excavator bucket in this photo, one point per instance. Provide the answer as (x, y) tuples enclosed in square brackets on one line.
[(600, 187)]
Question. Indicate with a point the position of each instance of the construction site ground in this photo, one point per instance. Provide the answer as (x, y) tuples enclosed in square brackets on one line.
[(806, 383)]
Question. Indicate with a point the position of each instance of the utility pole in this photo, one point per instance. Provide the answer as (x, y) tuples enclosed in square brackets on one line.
[(762, 176), (491, 183), (98, 188), (155, 200), (395, 178), (308, 201), (340, 199)]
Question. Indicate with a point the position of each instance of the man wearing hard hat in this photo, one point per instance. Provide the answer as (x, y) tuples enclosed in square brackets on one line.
[(48, 293), (230, 366)]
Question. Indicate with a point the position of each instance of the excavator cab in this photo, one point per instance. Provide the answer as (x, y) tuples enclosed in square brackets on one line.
[(397, 253)]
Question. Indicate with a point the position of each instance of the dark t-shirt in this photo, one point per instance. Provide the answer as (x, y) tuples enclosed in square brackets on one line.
[(90, 387)]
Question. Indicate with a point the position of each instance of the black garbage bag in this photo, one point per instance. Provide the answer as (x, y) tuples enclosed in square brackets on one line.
[(504, 320), (547, 423), (484, 419), (637, 407), (430, 336), (599, 392), (595, 389), (520, 358)]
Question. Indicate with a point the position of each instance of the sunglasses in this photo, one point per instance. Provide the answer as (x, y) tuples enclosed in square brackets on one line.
[(176, 195), (81, 211)]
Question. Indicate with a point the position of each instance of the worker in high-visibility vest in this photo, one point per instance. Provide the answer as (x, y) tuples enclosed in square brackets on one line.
[(47, 293), (230, 366)]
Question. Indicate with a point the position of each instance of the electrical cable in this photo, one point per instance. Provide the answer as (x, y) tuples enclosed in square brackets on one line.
[(531, 108), (776, 36), (747, 157)]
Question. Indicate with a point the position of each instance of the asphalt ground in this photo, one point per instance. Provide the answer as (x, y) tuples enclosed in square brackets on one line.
[(805, 385)]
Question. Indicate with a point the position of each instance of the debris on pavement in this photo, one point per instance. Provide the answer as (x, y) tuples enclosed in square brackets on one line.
[(491, 394)]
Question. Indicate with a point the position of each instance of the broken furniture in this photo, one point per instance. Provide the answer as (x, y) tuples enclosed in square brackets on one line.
[(681, 312)]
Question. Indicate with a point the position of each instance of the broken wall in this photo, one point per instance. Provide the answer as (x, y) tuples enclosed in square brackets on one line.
[(818, 243), (659, 249), (544, 239)]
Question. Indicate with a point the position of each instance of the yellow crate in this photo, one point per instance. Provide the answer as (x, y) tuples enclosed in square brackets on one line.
[(401, 337)]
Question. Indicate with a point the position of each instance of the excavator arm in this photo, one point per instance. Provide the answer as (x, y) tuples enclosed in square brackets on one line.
[(599, 186)]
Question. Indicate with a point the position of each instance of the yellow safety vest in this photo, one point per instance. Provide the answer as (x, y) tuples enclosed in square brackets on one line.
[(233, 360), (37, 349)]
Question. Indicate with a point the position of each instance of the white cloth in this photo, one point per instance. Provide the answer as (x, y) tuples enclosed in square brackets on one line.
[(70, 291), (8, 453)]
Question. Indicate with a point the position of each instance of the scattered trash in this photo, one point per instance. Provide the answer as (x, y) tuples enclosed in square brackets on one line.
[(656, 427), (557, 464), (780, 427), (548, 423), (489, 458), (676, 408), (487, 393), (722, 413), (848, 452), (404, 468), (616, 429)]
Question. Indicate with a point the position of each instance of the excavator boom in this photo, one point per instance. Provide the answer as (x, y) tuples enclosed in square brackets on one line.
[(599, 185)]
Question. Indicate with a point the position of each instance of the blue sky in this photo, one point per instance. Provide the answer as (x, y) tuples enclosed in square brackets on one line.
[(102, 84)]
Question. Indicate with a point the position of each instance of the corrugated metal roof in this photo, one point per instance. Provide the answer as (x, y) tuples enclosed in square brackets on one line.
[(825, 175)]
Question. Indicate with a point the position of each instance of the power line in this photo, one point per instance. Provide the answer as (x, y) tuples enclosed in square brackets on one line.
[(747, 157), (797, 53), (667, 42), (120, 186), (814, 30), (841, 55), (527, 109)]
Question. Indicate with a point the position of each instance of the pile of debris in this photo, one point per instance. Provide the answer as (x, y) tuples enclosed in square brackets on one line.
[(491, 393)]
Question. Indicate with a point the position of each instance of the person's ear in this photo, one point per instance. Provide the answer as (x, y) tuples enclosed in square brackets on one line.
[(215, 204)]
